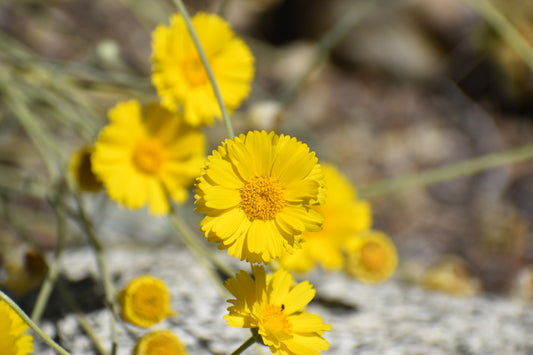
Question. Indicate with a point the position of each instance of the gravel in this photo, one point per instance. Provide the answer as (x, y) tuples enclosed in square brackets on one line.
[(392, 318)]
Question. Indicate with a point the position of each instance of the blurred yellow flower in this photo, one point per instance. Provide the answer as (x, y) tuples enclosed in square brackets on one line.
[(145, 301), (371, 257), (256, 190), (159, 342), (450, 275), (276, 309), (178, 73), (146, 156), (344, 216), (13, 341), (81, 172)]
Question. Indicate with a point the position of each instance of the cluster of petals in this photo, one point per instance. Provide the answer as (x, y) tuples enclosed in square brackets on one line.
[(273, 306), (345, 215), (256, 191), (145, 301), (13, 337), (371, 257), (147, 156), (178, 73), (158, 342)]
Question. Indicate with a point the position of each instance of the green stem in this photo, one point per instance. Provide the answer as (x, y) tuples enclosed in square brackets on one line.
[(82, 319), (200, 251), (506, 30), (205, 62), (32, 325), (109, 289), (322, 49), (53, 271), (244, 346), (447, 172)]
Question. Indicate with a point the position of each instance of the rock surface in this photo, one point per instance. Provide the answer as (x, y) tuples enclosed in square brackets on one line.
[(392, 318)]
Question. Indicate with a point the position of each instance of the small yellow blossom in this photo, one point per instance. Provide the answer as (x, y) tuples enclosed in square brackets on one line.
[(146, 156), (371, 257), (256, 191), (145, 301), (81, 172), (450, 275), (178, 73), (275, 308), (160, 342), (344, 216), (13, 340)]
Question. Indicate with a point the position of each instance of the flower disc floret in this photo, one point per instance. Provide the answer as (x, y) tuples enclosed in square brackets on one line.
[(147, 156), (160, 342), (256, 191), (272, 306), (371, 257), (81, 171), (179, 76), (145, 301), (13, 339)]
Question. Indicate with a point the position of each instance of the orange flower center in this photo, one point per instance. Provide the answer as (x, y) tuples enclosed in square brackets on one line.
[(194, 71), (262, 198), (148, 156), (373, 256), (163, 344), (275, 321), (148, 303)]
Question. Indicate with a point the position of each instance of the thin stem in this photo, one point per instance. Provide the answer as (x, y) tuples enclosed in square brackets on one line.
[(203, 57), (32, 325), (447, 172), (204, 256), (506, 30), (53, 271), (322, 49), (244, 346), (109, 289), (81, 318)]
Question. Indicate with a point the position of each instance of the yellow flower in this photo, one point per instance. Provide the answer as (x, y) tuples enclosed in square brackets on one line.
[(145, 301), (269, 304), (256, 190), (80, 169), (344, 216), (145, 156), (13, 341), (160, 342), (180, 78), (371, 257), (450, 275)]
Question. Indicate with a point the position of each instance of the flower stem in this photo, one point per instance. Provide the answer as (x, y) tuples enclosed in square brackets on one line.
[(244, 346), (109, 289), (447, 172), (53, 271), (200, 251), (203, 57), (32, 325), (327, 42), (505, 29)]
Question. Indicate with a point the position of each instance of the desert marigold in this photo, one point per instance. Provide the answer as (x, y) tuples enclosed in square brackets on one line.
[(256, 190), (274, 307), (81, 172), (145, 301), (371, 257), (13, 340), (344, 216), (159, 342), (178, 73), (146, 156)]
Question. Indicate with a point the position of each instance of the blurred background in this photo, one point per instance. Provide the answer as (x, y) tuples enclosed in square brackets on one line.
[(410, 85)]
